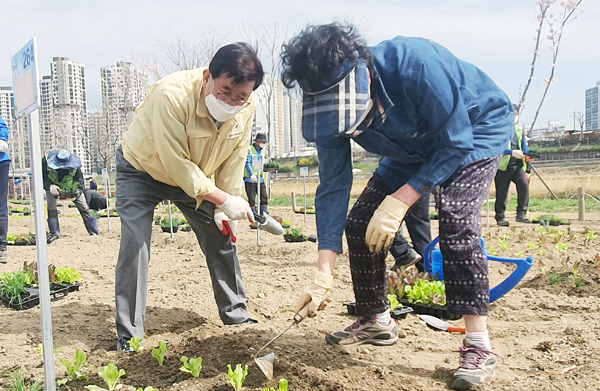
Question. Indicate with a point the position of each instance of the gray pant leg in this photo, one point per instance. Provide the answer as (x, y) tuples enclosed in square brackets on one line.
[(51, 200), (222, 259), (136, 199), (82, 206)]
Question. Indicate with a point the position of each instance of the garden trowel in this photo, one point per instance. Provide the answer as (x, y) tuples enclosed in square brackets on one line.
[(265, 363), (438, 324), (269, 224)]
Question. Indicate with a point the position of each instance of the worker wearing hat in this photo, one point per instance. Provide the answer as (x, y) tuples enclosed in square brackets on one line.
[(253, 177), (438, 120), (62, 174)]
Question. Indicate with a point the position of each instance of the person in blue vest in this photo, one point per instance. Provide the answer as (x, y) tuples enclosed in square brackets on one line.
[(513, 168), (251, 177), (4, 166), (438, 120), (61, 171)]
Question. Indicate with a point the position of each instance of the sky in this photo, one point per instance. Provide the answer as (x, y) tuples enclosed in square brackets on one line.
[(496, 36)]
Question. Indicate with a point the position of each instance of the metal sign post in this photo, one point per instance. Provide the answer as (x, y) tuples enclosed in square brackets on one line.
[(304, 174), (30, 196), (106, 182), (257, 166), (171, 219), (26, 92)]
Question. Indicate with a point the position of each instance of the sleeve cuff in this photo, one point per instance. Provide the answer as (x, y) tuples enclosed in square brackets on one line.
[(330, 242), (422, 186)]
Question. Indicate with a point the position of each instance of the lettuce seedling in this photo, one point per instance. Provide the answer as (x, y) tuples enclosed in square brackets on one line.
[(393, 299), (193, 366), (136, 344), (427, 292), (111, 375), (237, 377), (73, 368), (159, 352), (40, 349), (283, 386), (67, 274)]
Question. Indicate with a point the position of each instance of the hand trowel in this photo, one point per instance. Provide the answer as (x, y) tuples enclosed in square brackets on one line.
[(269, 224), (438, 324), (265, 363)]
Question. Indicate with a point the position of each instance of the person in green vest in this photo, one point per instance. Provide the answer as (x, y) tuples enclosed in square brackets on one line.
[(61, 171), (252, 178), (513, 169)]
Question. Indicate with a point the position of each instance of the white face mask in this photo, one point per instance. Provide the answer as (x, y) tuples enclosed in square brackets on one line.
[(516, 119), (220, 110), (260, 145)]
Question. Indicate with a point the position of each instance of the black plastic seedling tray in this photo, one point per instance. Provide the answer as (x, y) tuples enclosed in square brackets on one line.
[(67, 194), (57, 291), (292, 239), (73, 287), (398, 313), (434, 310)]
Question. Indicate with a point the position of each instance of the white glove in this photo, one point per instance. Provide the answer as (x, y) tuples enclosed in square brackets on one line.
[(3, 146), (54, 190), (225, 225), (518, 154), (315, 296), (237, 208), (384, 224), (254, 178)]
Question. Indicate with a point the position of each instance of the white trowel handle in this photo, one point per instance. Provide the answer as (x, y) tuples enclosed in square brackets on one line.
[(269, 224)]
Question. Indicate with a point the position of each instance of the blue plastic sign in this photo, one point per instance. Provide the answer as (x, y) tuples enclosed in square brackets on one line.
[(25, 79)]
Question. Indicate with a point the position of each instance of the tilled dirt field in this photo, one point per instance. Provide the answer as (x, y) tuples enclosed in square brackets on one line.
[(546, 334)]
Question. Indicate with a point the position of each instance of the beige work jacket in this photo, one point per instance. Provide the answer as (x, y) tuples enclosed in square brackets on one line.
[(174, 139)]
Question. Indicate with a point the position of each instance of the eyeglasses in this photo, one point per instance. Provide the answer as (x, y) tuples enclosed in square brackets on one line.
[(227, 99)]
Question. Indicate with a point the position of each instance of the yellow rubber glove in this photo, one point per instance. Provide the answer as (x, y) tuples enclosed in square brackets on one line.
[(315, 296), (385, 223)]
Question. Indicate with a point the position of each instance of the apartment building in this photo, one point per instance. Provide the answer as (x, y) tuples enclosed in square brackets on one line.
[(124, 88), (592, 106), (63, 110), (285, 115)]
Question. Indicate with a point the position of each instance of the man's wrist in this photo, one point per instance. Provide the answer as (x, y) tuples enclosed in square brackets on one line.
[(217, 197)]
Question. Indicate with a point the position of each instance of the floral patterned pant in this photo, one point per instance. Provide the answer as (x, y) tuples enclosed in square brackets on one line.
[(465, 264)]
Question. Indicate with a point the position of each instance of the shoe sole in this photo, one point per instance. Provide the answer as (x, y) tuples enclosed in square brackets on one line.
[(411, 263), (465, 384), (376, 342)]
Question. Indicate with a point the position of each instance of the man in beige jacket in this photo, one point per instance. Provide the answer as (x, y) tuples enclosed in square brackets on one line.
[(192, 125)]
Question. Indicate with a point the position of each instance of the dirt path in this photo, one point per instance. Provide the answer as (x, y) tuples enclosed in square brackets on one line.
[(539, 330)]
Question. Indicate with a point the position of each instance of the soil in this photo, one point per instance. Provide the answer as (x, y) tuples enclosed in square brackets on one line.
[(545, 334)]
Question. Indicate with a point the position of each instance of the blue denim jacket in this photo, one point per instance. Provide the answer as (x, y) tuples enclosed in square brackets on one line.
[(4, 136), (440, 113)]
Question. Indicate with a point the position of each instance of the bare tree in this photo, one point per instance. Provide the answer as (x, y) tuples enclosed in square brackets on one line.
[(556, 26), (102, 134), (580, 118), (269, 41), (182, 52)]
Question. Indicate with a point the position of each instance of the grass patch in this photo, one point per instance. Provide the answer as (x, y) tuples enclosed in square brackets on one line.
[(553, 206), (287, 201)]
